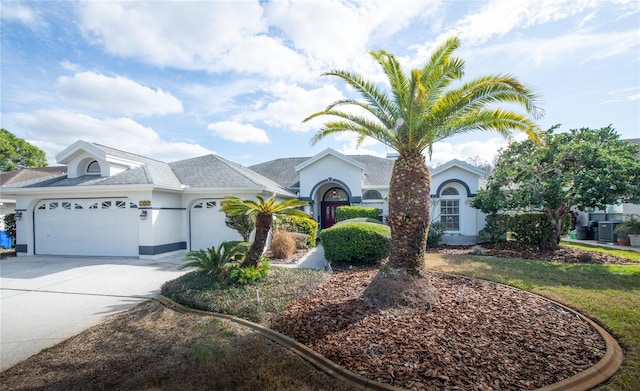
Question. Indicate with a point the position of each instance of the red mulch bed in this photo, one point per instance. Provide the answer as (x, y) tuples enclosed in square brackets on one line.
[(477, 336)]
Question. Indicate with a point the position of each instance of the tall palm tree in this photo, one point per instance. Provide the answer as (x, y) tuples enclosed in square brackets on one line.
[(420, 109), (263, 211)]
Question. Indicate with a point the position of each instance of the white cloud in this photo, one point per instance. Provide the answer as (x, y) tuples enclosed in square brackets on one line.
[(116, 95), (120, 133), (584, 47), (367, 147), (15, 11), (238, 132), (292, 105), (485, 150)]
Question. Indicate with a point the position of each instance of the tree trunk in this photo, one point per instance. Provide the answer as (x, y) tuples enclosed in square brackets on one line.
[(263, 225), (409, 213), (551, 239)]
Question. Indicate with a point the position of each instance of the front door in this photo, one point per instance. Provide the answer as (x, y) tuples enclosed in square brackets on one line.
[(329, 213), (331, 200)]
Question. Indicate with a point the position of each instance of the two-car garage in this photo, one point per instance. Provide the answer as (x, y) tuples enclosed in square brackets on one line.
[(91, 227)]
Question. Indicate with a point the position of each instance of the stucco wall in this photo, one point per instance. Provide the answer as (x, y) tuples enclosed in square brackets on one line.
[(334, 168)]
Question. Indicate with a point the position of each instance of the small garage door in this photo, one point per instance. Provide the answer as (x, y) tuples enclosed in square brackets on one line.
[(94, 227), (207, 227)]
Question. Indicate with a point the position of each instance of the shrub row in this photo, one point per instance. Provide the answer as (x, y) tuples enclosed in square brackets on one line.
[(356, 243), (526, 227), (351, 212)]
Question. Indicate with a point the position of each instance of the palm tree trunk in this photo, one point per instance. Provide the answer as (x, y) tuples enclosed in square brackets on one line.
[(409, 197), (263, 225)]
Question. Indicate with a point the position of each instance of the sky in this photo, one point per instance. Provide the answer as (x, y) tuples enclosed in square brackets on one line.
[(173, 80)]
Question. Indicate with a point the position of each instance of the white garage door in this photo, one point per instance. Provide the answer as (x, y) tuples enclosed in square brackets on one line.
[(95, 227), (207, 227)]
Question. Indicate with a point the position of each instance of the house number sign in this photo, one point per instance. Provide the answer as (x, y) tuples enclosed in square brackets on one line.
[(144, 203)]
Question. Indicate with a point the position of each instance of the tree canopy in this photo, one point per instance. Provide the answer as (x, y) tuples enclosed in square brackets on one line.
[(413, 112), (16, 153), (585, 168)]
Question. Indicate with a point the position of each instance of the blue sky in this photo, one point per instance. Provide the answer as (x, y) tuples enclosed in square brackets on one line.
[(173, 80)]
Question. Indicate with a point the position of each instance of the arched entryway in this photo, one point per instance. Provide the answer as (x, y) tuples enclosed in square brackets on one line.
[(331, 200)]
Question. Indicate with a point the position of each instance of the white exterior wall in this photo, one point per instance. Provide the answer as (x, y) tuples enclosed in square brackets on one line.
[(471, 220), (330, 167)]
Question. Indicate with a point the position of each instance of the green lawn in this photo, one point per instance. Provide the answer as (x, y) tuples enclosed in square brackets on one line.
[(609, 294), (628, 254)]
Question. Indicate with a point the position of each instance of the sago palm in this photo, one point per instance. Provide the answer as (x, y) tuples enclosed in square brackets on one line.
[(263, 211), (415, 111), (212, 260)]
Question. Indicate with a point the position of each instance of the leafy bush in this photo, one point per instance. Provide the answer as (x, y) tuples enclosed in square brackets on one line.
[(301, 225), (436, 230), (283, 245), (352, 212), (212, 260), (360, 220), (244, 224), (529, 227), (356, 243), (495, 229), (10, 226), (250, 274)]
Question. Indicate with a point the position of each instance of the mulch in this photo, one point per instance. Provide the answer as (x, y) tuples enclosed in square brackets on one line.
[(477, 336)]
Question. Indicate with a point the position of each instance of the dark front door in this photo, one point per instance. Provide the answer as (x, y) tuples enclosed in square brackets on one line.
[(329, 213)]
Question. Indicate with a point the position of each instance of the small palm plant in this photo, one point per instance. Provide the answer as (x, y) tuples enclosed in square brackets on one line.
[(214, 261), (264, 211)]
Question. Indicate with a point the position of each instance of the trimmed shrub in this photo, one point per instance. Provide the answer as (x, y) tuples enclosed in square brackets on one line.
[(282, 245), (351, 212), (301, 225), (360, 220), (356, 243), (495, 229), (529, 227), (436, 230)]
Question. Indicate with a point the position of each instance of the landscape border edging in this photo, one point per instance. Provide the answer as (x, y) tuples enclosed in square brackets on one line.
[(318, 360), (602, 371)]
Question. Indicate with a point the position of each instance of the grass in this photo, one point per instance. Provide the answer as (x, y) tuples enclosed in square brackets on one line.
[(609, 294), (254, 302), (628, 254)]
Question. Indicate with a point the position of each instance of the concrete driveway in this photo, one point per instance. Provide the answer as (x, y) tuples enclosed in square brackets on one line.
[(45, 300)]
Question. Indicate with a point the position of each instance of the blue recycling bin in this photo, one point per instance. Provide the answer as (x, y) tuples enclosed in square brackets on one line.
[(5, 240)]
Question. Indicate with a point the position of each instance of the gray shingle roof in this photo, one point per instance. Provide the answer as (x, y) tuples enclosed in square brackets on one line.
[(215, 171), (377, 172)]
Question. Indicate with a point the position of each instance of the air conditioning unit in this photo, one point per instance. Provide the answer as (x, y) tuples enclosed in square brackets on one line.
[(605, 230)]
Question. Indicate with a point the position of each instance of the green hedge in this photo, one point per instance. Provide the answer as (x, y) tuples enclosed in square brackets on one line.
[(361, 220), (351, 212), (356, 243), (301, 225), (526, 227)]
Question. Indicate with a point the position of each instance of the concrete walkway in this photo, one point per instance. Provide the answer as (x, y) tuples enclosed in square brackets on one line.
[(615, 246), (313, 259)]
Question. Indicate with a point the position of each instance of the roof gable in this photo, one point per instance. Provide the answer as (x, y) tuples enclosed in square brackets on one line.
[(329, 152), (457, 163)]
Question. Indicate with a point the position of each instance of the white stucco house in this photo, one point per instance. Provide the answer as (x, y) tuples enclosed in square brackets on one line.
[(116, 203)]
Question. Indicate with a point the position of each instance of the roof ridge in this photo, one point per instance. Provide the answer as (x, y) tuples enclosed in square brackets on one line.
[(127, 152)]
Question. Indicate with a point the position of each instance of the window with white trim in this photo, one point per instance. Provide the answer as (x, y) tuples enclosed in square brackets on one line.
[(450, 209)]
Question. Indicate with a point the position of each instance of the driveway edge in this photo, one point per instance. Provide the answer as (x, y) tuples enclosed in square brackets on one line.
[(602, 371)]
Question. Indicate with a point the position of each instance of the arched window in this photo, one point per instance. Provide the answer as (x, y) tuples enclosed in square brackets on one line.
[(450, 191), (93, 168), (372, 195), (336, 194)]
